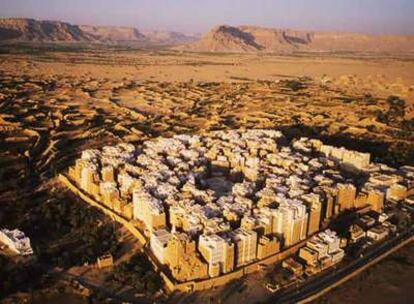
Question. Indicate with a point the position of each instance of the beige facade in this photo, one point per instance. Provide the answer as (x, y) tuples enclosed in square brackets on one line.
[(293, 266), (376, 200), (397, 192), (88, 178), (330, 199), (218, 252), (309, 255), (108, 174), (148, 210), (183, 260), (345, 198), (158, 243), (109, 192), (361, 200), (267, 246), (314, 218), (245, 246), (105, 261)]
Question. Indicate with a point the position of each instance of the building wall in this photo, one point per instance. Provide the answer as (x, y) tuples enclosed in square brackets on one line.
[(8, 242), (346, 196), (267, 246), (376, 200), (224, 279), (245, 246), (129, 225), (361, 200)]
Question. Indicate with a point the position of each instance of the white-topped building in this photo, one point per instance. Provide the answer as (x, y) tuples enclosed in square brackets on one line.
[(216, 251), (16, 241), (246, 246), (158, 243)]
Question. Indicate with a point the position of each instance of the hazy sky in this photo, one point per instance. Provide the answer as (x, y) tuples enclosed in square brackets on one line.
[(373, 16)]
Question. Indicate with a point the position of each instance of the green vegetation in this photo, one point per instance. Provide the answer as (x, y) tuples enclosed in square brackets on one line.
[(137, 273), (397, 105), (83, 248), (395, 113), (402, 220), (64, 232), (395, 117), (19, 277), (293, 84), (408, 125), (276, 276), (68, 233), (369, 100), (398, 154)]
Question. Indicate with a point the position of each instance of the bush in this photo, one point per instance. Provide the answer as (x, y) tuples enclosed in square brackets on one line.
[(408, 125), (19, 277), (75, 232), (397, 107), (137, 273), (395, 113), (369, 100), (86, 247), (395, 101), (294, 85)]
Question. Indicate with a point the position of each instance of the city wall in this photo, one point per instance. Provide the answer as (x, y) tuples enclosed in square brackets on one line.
[(134, 230), (225, 278), (171, 285)]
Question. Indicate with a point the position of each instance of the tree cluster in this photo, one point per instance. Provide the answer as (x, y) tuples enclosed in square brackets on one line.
[(137, 273), (19, 277), (68, 233), (293, 84), (395, 112)]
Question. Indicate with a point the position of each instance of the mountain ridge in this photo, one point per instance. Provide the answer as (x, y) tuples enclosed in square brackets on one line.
[(113, 33), (25, 29), (245, 38), (221, 38), (50, 31)]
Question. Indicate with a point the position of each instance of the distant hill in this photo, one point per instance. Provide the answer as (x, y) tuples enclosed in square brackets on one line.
[(222, 38), (39, 31), (168, 37), (16, 29), (226, 38), (113, 33)]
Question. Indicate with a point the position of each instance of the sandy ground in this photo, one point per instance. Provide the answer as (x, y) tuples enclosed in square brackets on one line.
[(174, 66), (55, 104)]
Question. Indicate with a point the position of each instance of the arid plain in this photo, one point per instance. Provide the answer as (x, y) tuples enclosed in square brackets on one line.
[(392, 72), (54, 103)]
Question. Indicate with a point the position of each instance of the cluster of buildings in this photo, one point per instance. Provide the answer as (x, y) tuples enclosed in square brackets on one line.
[(322, 251), (16, 241), (211, 204), (375, 229)]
